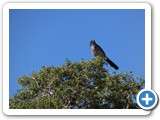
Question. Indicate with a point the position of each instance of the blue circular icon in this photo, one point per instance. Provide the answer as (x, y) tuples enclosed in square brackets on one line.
[(147, 99)]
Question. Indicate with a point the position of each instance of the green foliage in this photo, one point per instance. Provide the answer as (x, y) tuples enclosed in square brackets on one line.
[(85, 85)]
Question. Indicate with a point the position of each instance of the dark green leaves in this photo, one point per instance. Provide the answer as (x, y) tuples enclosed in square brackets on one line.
[(86, 84)]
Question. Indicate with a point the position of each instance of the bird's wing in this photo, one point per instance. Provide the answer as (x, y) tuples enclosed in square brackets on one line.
[(102, 52)]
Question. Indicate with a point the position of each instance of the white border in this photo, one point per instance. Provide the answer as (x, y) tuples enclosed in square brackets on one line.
[(8, 6)]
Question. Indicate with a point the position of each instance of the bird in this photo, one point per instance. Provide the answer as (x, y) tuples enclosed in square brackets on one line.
[(98, 51)]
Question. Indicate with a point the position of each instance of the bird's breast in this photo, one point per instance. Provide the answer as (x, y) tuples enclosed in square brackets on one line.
[(93, 49)]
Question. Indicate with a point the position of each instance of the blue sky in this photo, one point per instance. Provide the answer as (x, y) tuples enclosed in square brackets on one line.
[(47, 37)]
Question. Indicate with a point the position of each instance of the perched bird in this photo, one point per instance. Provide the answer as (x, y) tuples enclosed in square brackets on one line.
[(98, 51)]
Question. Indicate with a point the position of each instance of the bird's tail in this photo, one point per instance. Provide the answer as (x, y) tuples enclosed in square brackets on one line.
[(112, 64)]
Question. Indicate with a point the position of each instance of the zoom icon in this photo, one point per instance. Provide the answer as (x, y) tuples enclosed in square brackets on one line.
[(147, 99)]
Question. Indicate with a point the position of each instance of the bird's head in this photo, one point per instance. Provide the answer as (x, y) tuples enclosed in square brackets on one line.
[(92, 42)]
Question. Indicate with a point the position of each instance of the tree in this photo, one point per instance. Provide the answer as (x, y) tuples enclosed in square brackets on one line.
[(79, 85)]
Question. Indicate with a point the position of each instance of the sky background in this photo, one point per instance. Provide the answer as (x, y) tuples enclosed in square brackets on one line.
[(47, 37)]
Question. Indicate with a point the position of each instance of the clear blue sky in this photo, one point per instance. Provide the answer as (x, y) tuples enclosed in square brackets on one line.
[(47, 37)]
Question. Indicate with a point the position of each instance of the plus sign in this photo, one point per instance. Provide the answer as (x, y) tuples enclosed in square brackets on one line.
[(147, 99)]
